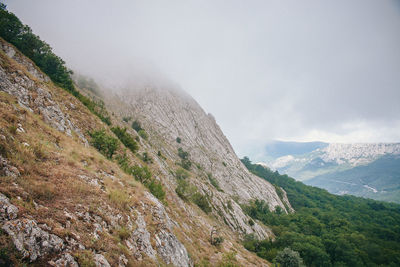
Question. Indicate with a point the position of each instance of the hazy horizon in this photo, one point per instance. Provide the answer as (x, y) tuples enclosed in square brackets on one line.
[(266, 70)]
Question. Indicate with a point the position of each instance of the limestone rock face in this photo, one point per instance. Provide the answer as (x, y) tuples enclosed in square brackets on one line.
[(30, 239), (100, 261), (7, 210), (66, 260), (30, 67), (171, 250), (33, 95), (170, 113), (139, 241), (7, 169)]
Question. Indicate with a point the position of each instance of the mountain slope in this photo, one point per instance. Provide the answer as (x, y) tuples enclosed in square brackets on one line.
[(169, 114), (326, 229), (58, 190), (368, 170), (78, 206), (378, 180)]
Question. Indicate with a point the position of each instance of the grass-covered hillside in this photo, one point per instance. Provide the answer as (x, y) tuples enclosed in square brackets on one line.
[(81, 185), (326, 229)]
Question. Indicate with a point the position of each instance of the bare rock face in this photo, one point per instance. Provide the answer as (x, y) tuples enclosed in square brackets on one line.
[(100, 261), (171, 250), (139, 241), (30, 67), (171, 113), (7, 169), (7, 210), (66, 260), (33, 96), (31, 240)]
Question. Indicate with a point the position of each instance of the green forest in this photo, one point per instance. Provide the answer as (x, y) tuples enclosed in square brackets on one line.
[(326, 229)]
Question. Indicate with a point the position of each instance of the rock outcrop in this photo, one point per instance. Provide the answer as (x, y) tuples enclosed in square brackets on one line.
[(169, 114), (33, 95)]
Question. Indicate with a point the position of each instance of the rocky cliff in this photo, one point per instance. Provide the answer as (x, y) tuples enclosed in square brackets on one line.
[(171, 115), (62, 203)]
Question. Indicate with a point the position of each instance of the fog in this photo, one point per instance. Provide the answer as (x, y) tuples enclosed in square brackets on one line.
[(287, 70)]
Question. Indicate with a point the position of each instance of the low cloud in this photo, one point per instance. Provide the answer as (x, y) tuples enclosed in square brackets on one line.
[(309, 70)]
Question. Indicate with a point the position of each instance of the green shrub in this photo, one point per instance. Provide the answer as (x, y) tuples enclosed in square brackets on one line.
[(123, 162), (217, 241), (97, 108), (125, 138), (123, 233), (201, 201), (185, 162), (136, 126), (214, 182), (142, 174), (142, 133), (183, 154), (228, 260), (156, 189), (181, 174), (126, 119), (146, 158), (183, 190), (106, 144), (85, 258), (178, 140)]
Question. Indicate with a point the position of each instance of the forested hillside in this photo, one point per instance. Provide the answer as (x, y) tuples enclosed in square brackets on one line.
[(326, 229), (378, 180)]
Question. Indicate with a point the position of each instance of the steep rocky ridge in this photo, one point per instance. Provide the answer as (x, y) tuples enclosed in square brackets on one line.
[(169, 114), (62, 203)]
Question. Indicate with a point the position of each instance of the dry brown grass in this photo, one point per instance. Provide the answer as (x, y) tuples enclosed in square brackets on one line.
[(50, 166)]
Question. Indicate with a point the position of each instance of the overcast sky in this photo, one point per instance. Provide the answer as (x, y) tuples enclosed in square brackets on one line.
[(288, 70)]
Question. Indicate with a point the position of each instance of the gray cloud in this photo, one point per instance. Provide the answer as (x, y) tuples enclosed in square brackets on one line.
[(299, 70)]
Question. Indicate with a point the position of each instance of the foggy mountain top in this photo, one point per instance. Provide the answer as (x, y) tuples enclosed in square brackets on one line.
[(302, 71)]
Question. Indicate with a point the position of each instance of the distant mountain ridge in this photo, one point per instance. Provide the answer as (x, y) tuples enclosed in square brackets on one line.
[(379, 180), (340, 168), (282, 148)]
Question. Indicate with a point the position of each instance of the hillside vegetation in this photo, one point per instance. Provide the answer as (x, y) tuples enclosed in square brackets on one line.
[(81, 186), (328, 230), (378, 180)]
